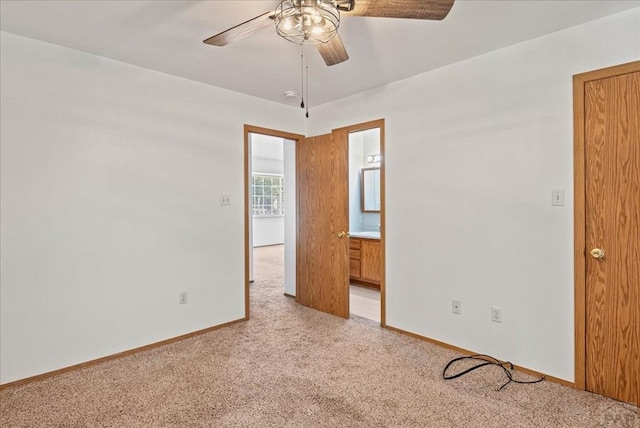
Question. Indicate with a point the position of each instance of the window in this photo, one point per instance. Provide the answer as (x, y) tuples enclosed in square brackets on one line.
[(267, 192)]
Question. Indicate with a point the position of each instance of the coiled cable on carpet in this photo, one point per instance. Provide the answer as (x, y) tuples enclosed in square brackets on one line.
[(486, 360)]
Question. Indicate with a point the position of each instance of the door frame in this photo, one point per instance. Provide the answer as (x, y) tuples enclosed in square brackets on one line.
[(579, 214), (378, 123), (250, 129)]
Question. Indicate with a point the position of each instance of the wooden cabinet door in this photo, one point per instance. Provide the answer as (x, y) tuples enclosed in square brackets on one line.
[(371, 260), (354, 258)]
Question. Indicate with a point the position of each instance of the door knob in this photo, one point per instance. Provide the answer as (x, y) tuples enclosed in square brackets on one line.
[(597, 253), (342, 234)]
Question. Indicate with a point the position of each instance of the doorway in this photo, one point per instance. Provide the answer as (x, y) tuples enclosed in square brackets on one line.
[(607, 231), (270, 204), (267, 207), (365, 158), (321, 254)]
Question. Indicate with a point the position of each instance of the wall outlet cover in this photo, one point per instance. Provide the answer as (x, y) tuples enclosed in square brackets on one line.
[(496, 314), (456, 307), (183, 298)]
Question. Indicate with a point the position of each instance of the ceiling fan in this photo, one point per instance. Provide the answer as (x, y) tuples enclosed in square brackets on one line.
[(317, 21)]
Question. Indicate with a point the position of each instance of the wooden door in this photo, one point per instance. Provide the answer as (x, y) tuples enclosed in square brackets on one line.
[(612, 235), (322, 252)]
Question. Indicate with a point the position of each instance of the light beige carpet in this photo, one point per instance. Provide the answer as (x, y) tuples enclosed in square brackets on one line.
[(290, 366)]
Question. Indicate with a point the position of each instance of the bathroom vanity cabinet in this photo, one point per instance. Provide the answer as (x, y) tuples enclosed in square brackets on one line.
[(365, 262)]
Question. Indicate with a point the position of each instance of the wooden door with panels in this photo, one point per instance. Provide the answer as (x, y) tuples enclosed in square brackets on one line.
[(607, 231), (322, 250)]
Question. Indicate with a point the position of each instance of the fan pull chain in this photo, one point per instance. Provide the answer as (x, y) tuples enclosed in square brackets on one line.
[(302, 76), (307, 113)]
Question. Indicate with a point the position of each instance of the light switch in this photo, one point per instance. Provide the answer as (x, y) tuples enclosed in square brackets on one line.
[(225, 200), (557, 197)]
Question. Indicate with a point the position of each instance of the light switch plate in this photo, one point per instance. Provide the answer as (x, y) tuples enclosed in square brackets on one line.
[(225, 200), (557, 197)]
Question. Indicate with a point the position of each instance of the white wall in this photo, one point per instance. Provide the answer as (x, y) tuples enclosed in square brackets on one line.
[(268, 231), (110, 183), (268, 166), (356, 148), (472, 153)]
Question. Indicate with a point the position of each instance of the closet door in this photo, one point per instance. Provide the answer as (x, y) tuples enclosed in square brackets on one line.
[(609, 117)]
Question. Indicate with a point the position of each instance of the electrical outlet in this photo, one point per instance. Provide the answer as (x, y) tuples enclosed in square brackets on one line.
[(183, 298), (496, 314), (456, 307)]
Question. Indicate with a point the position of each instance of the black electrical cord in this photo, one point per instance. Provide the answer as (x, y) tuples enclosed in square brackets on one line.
[(486, 361)]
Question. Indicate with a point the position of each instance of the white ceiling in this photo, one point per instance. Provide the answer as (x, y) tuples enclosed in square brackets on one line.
[(167, 36)]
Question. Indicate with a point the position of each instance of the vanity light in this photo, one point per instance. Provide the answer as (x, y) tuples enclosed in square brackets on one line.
[(374, 158)]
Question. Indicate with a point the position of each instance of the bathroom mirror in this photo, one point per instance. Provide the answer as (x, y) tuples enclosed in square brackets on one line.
[(370, 179)]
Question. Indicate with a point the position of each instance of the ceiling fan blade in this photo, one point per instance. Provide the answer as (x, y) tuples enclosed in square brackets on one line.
[(333, 52), (241, 30), (412, 9)]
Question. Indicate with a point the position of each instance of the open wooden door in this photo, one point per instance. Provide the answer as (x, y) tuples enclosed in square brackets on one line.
[(322, 258), (608, 232)]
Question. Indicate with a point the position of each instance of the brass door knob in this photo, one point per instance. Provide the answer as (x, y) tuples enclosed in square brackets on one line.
[(597, 253), (342, 234)]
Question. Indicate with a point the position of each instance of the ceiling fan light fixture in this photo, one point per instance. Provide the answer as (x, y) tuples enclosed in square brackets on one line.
[(307, 21)]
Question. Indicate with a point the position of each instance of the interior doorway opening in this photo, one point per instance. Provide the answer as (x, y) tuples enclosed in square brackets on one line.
[(365, 224), (270, 209), (317, 266), (268, 201)]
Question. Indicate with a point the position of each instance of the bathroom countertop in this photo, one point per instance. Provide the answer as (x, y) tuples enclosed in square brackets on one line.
[(366, 234)]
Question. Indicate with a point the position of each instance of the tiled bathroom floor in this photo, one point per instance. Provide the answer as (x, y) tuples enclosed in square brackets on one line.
[(364, 302)]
